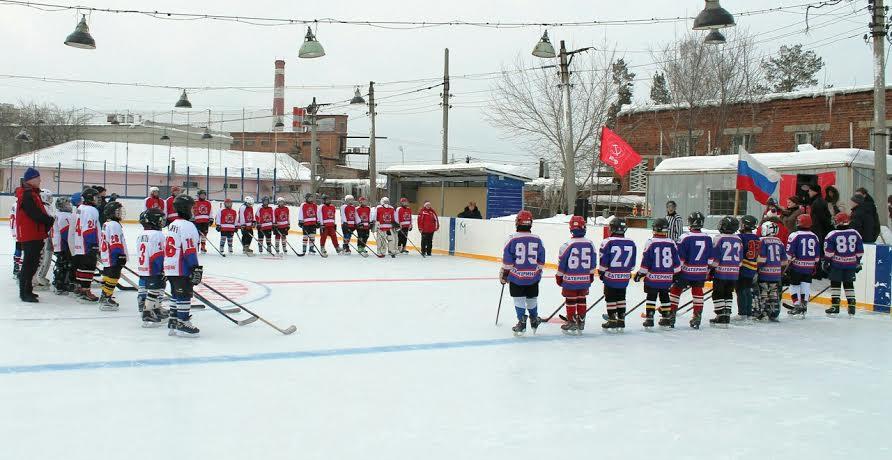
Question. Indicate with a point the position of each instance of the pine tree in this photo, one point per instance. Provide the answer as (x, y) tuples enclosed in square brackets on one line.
[(659, 91), (792, 69), (624, 81)]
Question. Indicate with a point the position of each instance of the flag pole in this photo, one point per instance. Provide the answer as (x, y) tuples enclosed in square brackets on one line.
[(737, 190)]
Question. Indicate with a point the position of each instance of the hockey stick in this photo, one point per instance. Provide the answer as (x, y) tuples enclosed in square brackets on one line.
[(285, 239), (289, 330), (208, 241), (706, 296), (587, 309), (545, 320), (378, 245), (350, 245), (416, 246), (607, 317), (790, 307), (318, 251), (499, 310), (219, 310)]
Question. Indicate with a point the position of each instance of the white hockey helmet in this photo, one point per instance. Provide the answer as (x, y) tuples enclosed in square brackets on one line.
[(348, 198), (280, 200), (385, 200), (249, 200), (46, 196), (153, 190), (769, 228)]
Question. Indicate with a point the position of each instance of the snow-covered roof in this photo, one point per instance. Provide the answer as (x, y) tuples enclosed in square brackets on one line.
[(382, 181), (803, 94), (459, 169), (119, 156), (780, 161), (558, 182)]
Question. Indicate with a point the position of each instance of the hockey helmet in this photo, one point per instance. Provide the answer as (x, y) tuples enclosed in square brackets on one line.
[(152, 219), (264, 201), (227, 203), (280, 200), (618, 227), (842, 220), (46, 196), (182, 204), (153, 191), (348, 198), (660, 225), (76, 199), (88, 196), (113, 211), (249, 200), (404, 201), (175, 190), (325, 199), (524, 219), (63, 204), (309, 197), (695, 220), (577, 223), (114, 197), (748, 223), (770, 228), (803, 221), (362, 200), (385, 200), (729, 225)]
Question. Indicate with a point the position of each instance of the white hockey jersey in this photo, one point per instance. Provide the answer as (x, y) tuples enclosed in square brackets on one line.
[(111, 243), (86, 230), (61, 230), (150, 250), (180, 256), (12, 223)]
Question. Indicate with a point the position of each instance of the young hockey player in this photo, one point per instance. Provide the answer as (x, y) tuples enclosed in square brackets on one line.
[(348, 222), (404, 220), (694, 250), (383, 217), (843, 249), (772, 260), (61, 272), (745, 288), (17, 255), (616, 259), (202, 217), (577, 263), (40, 280), (282, 220), (724, 263), (113, 248), (265, 218), (804, 252), (168, 204), (245, 223), (227, 221), (154, 200), (181, 267), (659, 264), (86, 244), (363, 225), (522, 261), (328, 213), (76, 201), (150, 247), (308, 219)]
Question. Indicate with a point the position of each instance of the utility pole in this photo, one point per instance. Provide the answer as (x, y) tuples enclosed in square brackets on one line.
[(314, 155), (373, 166), (881, 136), (569, 154), (446, 106)]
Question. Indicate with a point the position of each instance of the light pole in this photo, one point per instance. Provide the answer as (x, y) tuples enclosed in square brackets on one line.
[(373, 161), (881, 135)]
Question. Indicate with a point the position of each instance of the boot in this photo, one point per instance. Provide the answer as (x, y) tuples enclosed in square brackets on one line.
[(521, 326), (107, 303)]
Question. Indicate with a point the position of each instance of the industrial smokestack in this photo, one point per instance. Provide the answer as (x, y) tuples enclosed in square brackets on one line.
[(279, 96)]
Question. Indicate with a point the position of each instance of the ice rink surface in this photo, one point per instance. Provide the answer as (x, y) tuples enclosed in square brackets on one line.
[(399, 359)]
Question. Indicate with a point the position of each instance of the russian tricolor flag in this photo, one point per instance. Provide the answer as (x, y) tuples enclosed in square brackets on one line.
[(755, 177)]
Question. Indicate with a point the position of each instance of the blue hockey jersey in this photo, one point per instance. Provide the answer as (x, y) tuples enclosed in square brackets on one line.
[(617, 259), (576, 263), (844, 249), (660, 263), (803, 251), (694, 250), (727, 251), (750, 261), (772, 256), (523, 257)]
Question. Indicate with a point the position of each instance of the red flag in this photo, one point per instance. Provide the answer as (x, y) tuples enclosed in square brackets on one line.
[(615, 152)]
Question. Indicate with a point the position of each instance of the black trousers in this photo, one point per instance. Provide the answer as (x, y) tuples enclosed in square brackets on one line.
[(401, 237), (247, 236), (362, 237), (427, 243), (31, 251)]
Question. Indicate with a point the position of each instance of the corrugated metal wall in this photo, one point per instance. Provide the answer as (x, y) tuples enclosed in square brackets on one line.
[(504, 196)]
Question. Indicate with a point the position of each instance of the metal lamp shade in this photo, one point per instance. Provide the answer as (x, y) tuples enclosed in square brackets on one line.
[(357, 98), (713, 16), (714, 38), (165, 137), (206, 135), (544, 49), (183, 103), (311, 48), (279, 124), (81, 37)]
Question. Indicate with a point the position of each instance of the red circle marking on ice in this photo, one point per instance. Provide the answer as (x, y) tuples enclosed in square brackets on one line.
[(234, 289)]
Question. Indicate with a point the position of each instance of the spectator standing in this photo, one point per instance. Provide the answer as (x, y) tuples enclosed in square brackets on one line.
[(471, 211), (819, 212), (33, 224), (428, 223), (101, 201), (871, 206), (791, 213), (863, 219), (831, 195), (674, 220)]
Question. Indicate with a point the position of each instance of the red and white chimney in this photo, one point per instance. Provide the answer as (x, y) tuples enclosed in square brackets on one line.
[(279, 97)]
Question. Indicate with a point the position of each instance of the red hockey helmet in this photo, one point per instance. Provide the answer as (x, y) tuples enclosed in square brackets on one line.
[(524, 218), (404, 200), (362, 199), (577, 223), (803, 221), (842, 219)]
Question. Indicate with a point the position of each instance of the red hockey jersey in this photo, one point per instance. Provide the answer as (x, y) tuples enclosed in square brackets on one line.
[(265, 217), (201, 212), (283, 216), (328, 215)]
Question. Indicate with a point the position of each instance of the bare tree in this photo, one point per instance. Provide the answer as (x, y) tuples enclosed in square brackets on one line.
[(527, 105), (46, 124)]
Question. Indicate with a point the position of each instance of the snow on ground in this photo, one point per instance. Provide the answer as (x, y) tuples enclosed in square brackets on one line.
[(399, 359)]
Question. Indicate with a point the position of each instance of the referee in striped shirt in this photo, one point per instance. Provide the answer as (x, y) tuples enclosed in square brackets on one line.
[(674, 221)]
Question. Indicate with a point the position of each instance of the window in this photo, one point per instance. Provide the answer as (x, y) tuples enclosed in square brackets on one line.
[(190, 184), (721, 203), (808, 137), (638, 178), (230, 186), (684, 145), (249, 142), (888, 139), (748, 141), (264, 142)]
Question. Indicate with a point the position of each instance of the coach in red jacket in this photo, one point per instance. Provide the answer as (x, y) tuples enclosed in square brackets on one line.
[(428, 223), (33, 224)]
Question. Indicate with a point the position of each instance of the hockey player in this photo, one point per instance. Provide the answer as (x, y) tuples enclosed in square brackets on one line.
[(150, 247), (168, 204), (308, 219), (76, 201), (803, 249), (40, 281), (383, 218), (404, 220), (694, 250), (328, 213), (282, 221), (265, 219), (363, 225), (113, 248), (348, 222), (181, 267), (522, 262), (86, 244), (843, 249), (154, 200), (724, 263), (226, 221), (577, 263), (772, 261), (17, 255), (659, 264), (245, 223), (616, 260), (746, 281), (202, 217), (62, 269)]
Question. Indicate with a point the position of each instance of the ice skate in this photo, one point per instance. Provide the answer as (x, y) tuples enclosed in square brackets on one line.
[(833, 311), (151, 318), (42, 284), (535, 321), (570, 327), (798, 312), (181, 327), (665, 323), (649, 319), (86, 296), (741, 318), (203, 248), (323, 252), (520, 328), (580, 324), (695, 321), (260, 248), (720, 321), (141, 304), (851, 309), (107, 303), (230, 249)]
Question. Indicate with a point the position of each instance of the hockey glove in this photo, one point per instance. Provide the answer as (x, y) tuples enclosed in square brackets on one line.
[(503, 276), (825, 265), (858, 268), (121, 261), (559, 279), (284, 231), (711, 274), (601, 274), (639, 276), (196, 275), (218, 229)]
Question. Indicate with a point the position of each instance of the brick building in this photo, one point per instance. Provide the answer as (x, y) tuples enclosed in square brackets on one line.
[(829, 118)]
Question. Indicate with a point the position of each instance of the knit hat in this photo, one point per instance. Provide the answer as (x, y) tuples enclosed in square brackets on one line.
[(31, 173), (857, 199)]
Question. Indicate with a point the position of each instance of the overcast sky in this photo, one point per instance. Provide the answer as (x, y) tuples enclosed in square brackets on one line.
[(134, 48)]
